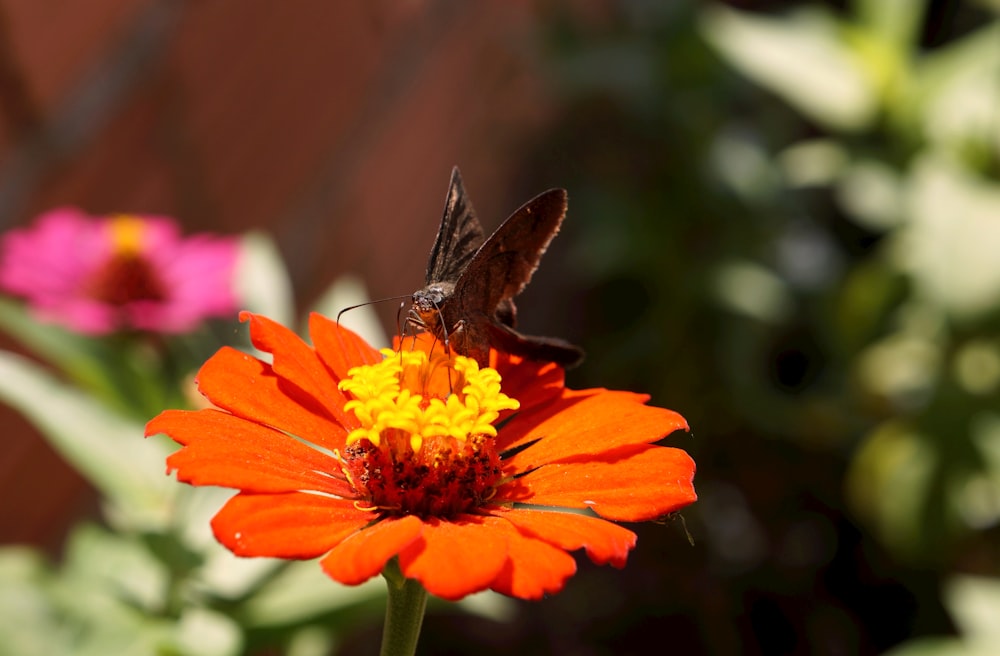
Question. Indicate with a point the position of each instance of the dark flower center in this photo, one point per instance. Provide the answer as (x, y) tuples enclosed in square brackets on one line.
[(448, 485), (125, 278), (425, 441)]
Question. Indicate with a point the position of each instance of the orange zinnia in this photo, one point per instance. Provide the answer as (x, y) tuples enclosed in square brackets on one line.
[(361, 455)]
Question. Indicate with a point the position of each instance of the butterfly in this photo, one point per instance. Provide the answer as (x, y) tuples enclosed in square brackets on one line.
[(467, 301)]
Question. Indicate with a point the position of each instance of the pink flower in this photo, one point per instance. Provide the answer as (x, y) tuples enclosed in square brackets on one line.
[(97, 275)]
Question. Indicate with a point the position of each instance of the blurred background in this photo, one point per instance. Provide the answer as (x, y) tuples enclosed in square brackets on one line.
[(784, 223)]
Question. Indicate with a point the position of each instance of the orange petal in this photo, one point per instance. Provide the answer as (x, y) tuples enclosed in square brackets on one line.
[(247, 387), (297, 363), (586, 426), (630, 484), (455, 559), (228, 451), (604, 542), (339, 348), (295, 525), (533, 567), (519, 431), (364, 554), (531, 383)]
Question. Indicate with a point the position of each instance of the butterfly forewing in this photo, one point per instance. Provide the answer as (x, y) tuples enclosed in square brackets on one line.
[(504, 264), (458, 238)]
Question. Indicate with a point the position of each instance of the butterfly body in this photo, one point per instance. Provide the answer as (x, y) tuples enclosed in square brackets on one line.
[(467, 301)]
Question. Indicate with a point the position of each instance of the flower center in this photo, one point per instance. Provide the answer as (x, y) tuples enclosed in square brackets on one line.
[(426, 441), (126, 276)]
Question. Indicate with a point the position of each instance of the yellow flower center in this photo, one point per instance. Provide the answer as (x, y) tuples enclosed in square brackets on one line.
[(395, 395), (425, 442), (126, 234), (126, 275)]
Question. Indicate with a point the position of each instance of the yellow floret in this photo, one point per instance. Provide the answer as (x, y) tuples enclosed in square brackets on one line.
[(126, 234), (390, 395)]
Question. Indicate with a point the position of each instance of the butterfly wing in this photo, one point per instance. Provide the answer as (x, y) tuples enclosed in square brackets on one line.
[(471, 283), (504, 264), (458, 238), (545, 349)]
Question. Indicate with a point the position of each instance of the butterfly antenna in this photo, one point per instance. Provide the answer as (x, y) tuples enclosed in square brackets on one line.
[(381, 300), (401, 325), (401, 328)]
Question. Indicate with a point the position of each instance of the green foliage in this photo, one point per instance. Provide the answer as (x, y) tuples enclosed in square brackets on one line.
[(974, 602), (924, 178), (153, 580), (790, 226)]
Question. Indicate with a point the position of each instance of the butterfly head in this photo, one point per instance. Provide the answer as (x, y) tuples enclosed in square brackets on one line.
[(430, 299), (428, 304)]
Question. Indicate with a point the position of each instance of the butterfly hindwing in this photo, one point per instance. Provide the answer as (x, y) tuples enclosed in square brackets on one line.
[(547, 349)]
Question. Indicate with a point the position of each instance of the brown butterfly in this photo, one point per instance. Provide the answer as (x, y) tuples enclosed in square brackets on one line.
[(467, 301)]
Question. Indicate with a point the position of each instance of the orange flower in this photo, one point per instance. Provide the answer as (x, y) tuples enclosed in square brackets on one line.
[(338, 450)]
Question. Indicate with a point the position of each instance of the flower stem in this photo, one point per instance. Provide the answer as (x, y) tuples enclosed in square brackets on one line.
[(404, 612)]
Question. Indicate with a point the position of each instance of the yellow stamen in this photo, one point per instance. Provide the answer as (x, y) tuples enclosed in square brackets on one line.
[(126, 234), (394, 395)]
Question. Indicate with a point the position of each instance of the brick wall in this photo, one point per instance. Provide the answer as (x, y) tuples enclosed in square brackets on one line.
[(332, 125)]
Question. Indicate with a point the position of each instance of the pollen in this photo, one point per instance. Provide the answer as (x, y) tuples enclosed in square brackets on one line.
[(425, 444), (398, 394), (126, 234)]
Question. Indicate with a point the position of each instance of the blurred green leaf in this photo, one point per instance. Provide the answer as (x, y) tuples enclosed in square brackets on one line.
[(889, 483), (974, 602), (262, 282), (903, 368), (126, 371), (814, 162), (29, 623), (949, 245), (493, 605), (873, 194), (202, 632), (301, 591), (750, 289), (744, 164), (104, 446), (895, 22), (801, 57), (220, 574), (956, 95), (311, 641), (978, 499), (865, 304), (941, 647), (119, 564), (70, 612), (82, 358)]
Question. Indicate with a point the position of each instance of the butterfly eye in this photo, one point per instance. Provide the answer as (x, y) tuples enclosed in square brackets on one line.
[(427, 300)]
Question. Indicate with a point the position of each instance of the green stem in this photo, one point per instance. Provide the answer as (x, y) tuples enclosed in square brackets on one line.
[(404, 612)]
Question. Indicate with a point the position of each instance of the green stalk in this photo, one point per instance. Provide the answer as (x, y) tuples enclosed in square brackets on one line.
[(404, 612)]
